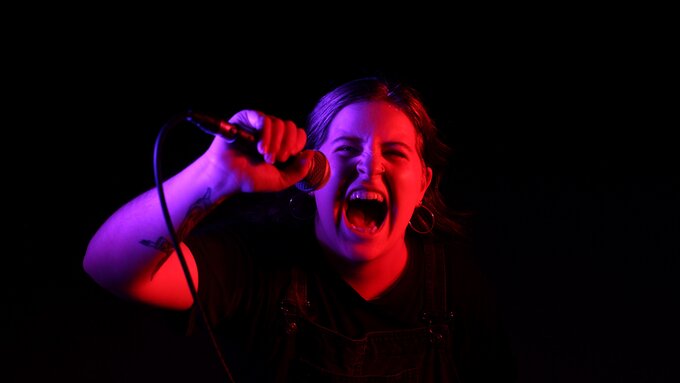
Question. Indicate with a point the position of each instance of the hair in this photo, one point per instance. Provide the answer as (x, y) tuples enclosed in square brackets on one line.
[(431, 149)]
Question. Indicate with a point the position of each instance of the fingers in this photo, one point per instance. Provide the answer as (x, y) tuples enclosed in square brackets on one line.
[(276, 146), (301, 140), (298, 168), (257, 120), (279, 139), (293, 140), (263, 146)]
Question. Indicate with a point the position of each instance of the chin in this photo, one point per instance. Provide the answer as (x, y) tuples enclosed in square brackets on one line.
[(361, 253)]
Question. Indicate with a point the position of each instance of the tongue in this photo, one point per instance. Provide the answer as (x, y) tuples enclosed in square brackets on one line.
[(358, 218)]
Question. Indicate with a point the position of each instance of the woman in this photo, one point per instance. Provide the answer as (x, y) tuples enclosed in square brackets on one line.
[(375, 286)]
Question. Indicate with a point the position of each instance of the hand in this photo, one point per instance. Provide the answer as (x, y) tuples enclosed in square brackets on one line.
[(280, 140)]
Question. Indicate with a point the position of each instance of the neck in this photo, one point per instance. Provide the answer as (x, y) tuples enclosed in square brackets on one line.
[(372, 278)]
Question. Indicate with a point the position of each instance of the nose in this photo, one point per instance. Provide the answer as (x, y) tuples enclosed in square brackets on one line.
[(370, 164)]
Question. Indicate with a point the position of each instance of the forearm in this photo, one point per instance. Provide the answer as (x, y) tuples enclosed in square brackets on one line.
[(131, 253), (134, 242)]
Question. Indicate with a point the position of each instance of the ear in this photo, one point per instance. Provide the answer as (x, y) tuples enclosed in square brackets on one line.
[(425, 182)]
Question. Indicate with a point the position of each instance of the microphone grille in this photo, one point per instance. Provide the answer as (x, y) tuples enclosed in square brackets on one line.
[(318, 174)]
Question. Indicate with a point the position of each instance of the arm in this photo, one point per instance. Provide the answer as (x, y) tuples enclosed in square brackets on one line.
[(132, 255)]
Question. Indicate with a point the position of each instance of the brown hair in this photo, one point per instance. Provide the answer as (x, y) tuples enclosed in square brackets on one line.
[(432, 150)]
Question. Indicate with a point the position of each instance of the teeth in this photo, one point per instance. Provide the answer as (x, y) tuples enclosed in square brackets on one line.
[(367, 195), (368, 224), (371, 229)]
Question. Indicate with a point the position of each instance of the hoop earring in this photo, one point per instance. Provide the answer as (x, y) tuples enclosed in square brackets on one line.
[(429, 226), (301, 206)]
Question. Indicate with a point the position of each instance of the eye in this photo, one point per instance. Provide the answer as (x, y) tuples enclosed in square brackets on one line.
[(395, 153), (346, 149)]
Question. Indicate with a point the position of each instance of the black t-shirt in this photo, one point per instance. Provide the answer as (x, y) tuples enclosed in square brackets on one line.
[(245, 271)]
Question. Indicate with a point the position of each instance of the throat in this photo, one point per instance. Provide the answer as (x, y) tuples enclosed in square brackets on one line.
[(373, 278)]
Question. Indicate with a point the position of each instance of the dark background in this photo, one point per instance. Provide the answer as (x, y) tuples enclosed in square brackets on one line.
[(562, 143)]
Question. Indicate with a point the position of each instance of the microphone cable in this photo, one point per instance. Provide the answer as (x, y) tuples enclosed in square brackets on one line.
[(175, 241)]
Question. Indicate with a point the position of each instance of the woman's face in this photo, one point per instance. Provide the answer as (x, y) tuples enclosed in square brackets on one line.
[(377, 179)]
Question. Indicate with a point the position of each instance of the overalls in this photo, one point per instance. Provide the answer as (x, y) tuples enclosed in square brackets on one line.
[(421, 354)]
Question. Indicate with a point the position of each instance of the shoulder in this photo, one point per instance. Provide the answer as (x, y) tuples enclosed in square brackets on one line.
[(478, 319), (266, 242), (251, 215), (454, 252), (470, 290)]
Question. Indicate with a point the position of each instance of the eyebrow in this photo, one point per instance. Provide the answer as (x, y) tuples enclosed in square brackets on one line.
[(388, 143)]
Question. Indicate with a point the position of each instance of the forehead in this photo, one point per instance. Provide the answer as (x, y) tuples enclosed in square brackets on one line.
[(368, 119)]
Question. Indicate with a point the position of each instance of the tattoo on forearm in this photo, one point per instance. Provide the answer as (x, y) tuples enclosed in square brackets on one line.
[(196, 212), (161, 244)]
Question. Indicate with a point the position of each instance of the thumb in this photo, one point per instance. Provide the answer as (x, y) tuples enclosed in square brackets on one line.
[(309, 169)]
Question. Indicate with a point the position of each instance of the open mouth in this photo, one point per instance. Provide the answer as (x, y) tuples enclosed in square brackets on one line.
[(366, 211)]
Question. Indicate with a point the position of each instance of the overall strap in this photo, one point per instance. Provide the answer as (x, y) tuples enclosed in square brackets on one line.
[(437, 315), (435, 307), (295, 303)]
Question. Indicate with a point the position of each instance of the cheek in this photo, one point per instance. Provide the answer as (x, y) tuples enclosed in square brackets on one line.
[(408, 184), (330, 198), (324, 199), (327, 201)]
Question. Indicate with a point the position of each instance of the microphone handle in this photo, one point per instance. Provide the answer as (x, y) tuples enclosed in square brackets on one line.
[(245, 139)]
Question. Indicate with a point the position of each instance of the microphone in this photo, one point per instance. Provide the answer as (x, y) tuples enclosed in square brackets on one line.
[(246, 138)]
